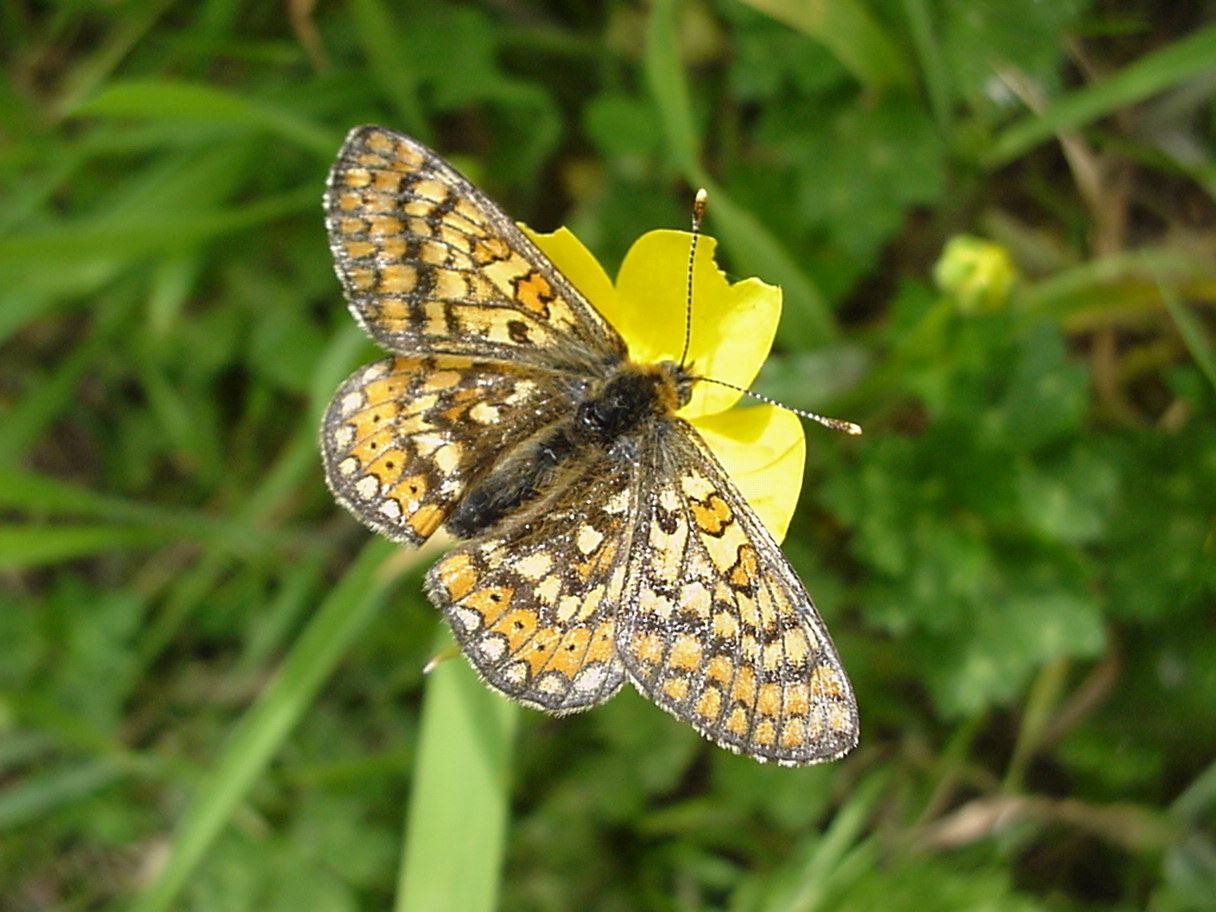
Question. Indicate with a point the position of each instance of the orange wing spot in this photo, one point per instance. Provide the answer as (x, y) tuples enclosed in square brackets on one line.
[(388, 467), (426, 520), (490, 250), (746, 569), (376, 416), (382, 225), (676, 688), (599, 561), (793, 733), (454, 238), (709, 706), (391, 309), (517, 626), (378, 141), (712, 515), (441, 380), (648, 647), (569, 658), (457, 575), (686, 653), (602, 647), (432, 253), (372, 446), (796, 700), (387, 389), (720, 669), (769, 700), (765, 734), (466, 208), (387, 182), (398, 279), (371, 160), (351, 226), (392, 248), (736, 722), (744, 688), (359, 249), (349, 202), (541, 648), (410, 490), (534, 292), (361, 278), (407, 158), (825, 682), (356, 178)]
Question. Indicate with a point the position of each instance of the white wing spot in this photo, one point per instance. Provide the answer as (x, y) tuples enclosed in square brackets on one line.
[(588, 539)]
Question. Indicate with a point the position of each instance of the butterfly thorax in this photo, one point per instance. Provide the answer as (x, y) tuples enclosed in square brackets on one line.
[(612, 412)]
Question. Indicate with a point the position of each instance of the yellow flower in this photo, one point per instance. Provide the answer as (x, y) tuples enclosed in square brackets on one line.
[(762, 447)]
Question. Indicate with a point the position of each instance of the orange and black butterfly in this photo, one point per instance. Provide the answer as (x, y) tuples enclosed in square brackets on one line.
[(601, 540)]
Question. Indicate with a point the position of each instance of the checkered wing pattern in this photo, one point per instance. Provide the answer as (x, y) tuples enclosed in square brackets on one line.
[(403, 438), (718, 630), (534, 605), (431, 266)]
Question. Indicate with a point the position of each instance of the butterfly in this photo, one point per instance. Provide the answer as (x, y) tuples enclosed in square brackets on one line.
[(600, 540)]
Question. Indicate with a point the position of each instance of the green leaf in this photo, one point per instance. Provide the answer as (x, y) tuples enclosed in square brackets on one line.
[(993, 660), (851, 32)]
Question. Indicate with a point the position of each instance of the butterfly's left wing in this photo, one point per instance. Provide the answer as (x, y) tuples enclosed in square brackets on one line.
[(716, 627), (533, 604)]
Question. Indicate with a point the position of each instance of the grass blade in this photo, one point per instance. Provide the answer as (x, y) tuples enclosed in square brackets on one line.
[(167, 100), (262, 731), (456, 826), (758, 252), (1146, 76)]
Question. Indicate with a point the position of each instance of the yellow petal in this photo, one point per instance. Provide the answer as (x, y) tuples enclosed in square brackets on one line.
[(732, 325), (763, 449), (577, 264)]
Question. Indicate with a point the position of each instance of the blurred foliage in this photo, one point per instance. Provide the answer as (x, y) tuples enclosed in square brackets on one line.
[(995, 224)]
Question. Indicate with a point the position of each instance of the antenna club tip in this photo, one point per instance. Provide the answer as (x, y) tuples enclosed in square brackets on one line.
[(702, 197), (853, 429)]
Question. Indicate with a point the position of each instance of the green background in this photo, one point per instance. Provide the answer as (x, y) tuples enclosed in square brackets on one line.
[(995, 226)]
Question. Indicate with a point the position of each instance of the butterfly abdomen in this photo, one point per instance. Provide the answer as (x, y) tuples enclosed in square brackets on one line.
[(612, 410)]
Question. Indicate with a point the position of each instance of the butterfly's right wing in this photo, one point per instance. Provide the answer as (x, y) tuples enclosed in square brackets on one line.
[(430, 265), (403, 438)]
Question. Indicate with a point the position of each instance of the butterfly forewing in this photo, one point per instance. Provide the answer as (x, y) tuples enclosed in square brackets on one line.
[(429, 265), (719, 631), (404, 438)]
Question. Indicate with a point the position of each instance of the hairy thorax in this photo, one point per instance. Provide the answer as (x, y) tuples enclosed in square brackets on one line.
[(612, 410)]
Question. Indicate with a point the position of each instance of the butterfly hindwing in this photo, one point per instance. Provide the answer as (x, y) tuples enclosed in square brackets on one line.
[(719, 630), (430, 265), (403, 438), (534, 604)]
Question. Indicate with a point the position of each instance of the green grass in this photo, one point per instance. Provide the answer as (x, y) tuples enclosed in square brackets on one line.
[(211, 678)]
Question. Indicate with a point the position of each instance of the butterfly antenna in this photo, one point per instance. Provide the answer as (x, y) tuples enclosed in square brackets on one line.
[(698, 213), (835, 424)]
